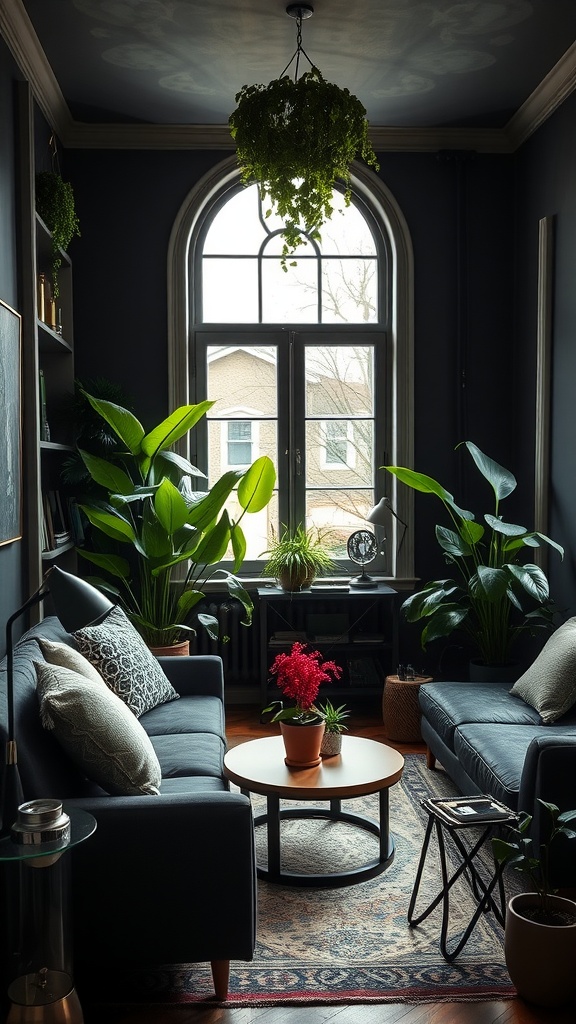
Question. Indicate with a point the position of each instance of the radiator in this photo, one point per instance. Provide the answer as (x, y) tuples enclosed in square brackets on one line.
[(241, 652)]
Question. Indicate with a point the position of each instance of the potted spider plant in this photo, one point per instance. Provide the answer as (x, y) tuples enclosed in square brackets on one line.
[(540, 929), (334, 719), (174, 536), (297, 557)]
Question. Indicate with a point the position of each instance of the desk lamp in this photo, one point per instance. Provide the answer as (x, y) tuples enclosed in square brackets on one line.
[(76, 603), (378, 516)]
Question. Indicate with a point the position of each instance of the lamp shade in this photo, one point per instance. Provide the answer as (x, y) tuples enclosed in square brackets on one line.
[(76, 602), (379, 514)]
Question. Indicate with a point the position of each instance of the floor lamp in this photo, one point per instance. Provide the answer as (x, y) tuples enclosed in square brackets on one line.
[(76, 603)]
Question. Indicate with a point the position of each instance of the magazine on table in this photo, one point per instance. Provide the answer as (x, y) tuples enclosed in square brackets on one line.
[(471, 809)]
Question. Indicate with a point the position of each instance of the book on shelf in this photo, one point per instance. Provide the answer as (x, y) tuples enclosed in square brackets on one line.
[(283, 637), (368, 638), (75, 520), (44, 427)]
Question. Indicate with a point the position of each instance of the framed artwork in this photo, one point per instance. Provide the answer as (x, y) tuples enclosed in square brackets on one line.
[(10, 425)]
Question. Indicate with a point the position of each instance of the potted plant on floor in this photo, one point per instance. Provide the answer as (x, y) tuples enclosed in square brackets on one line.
[(299, 675), (175, 536), (496, 597), (297, 557), (540, 930)]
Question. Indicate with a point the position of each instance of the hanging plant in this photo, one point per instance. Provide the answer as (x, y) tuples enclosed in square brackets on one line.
[(296, 139), (55, 204)]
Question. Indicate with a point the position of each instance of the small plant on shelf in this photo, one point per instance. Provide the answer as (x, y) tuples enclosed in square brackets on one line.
[(55, 204), (299, 675), (297, 556)]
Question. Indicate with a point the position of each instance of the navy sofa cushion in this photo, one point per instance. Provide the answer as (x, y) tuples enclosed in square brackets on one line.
[(449, 705)]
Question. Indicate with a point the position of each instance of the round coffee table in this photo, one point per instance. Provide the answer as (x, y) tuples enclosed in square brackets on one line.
[(363, 767)]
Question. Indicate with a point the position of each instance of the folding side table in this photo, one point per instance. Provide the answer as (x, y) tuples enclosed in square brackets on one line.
[(479, 813)]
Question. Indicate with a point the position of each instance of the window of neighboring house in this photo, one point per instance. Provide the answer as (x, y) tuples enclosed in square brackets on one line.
[(296, 358), (337, 448), (239, 442)]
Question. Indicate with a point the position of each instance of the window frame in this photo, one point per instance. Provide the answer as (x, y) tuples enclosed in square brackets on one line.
[(183, 366)]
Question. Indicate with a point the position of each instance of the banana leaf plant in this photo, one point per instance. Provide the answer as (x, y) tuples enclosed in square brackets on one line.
[(176, 535), (496, 595)]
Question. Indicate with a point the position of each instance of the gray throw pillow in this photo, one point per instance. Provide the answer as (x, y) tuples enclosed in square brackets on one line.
[(549, 685), (67, 657), (97, 731), (125, 663)]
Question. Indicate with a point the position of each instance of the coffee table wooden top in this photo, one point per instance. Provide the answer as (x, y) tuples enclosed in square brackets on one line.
[(364, 766)]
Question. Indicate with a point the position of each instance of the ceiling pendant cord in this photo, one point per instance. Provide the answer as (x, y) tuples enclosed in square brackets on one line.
[(298, 11)]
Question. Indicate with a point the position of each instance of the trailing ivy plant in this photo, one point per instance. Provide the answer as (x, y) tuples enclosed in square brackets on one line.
[(296, 139), (55, 204)]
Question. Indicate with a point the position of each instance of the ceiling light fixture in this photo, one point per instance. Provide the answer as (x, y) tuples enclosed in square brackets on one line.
[(297, 138)]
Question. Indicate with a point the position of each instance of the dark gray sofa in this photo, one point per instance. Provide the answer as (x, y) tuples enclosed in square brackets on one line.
[(490, 741), (165, 879)]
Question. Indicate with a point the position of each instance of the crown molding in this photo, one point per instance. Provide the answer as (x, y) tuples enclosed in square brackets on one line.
[(19, 34), (16, 28), (559, 83)]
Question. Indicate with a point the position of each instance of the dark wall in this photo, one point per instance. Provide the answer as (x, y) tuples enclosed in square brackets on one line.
[(546, 186), (459, 213), (12, 556)]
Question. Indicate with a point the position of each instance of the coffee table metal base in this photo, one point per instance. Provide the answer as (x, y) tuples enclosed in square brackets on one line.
[(273, 817)]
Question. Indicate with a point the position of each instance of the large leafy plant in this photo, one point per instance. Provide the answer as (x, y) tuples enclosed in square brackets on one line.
[(495, 596), (296, 139), (153, 510)]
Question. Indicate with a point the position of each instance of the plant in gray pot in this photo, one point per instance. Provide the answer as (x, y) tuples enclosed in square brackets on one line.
[(334, 725), (496, 595), (540, 930)]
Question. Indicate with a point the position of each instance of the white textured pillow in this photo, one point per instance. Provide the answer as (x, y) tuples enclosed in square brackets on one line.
[(67, 657), (98, 731), (125, 663), (549, 685)]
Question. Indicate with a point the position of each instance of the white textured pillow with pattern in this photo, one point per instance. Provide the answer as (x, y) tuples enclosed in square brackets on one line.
[(97, 731), (126, 665), (549, 685)]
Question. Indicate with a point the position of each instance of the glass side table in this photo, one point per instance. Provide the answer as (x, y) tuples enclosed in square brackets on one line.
[(37, 926)]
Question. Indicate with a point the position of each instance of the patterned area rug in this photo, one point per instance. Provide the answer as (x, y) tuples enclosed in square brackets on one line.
[(351, 944)]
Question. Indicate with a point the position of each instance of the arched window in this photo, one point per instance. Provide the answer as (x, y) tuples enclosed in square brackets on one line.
[(310, 363)]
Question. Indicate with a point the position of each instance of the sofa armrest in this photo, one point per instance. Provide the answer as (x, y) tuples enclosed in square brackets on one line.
[(549, 774), (167, 879), (195, 674)]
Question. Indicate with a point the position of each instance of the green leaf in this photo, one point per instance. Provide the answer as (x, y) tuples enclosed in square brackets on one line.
[(428, 600), (488, 584), (180, 463), (452, 543), (237, 591), (112, 524), (108, 475), (238, 545), (174, 427), (257, 485), (188, 600), (427, 485), (170, 507), (532, 579), (501, 480), (123, 422), (443, 623), (113, 564), (552, 543), (212, 547), (508, 529), (204, 512), (211, 625)]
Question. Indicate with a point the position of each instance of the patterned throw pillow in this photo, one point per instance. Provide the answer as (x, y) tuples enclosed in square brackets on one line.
[(549, 685), (97, 731), (126, 665)]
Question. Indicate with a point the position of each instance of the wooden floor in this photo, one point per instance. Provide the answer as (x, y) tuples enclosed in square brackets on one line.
[(242, 725)]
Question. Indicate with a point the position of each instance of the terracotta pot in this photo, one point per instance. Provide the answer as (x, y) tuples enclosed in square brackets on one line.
[(293, 580), (331, 744), (541, 958), (302, 744), (172, 650)]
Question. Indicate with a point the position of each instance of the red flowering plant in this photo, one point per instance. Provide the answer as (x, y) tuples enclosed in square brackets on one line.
[(300, 675)]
